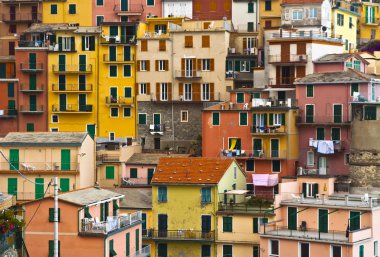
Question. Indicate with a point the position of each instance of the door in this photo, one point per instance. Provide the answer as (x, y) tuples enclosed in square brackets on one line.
[(65, 159), (34, 13), (62, 82), (188, 67), (143, 225), (323, 222), (337, 113), (39, 188), (257, 147), (354, 220), (62, 62), (12, 186), (91, 130), (3, 70), (82, 102), (127, 53), (162, 225), (150, 175), (82, 82), (206, 226), (33, 103), (292, 218), (322, 165), (62, 102), (32, 82), (64, 184), (32, 61), (82, 62), (157, 143), (113, 93), (12, 13), (14, 159), (274, 145), (112, 53), (156, 118), (127, 244), (124, 5)]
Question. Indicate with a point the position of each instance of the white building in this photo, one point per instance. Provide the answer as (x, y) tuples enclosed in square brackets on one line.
[(177, 8), (245, 16)]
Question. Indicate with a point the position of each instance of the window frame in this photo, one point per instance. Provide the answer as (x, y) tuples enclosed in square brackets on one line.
[(138, 121), (130, 71), (206, 92), (228, 229), (314, 11), (143, 87), (75, 9), (51, 9), (332, 250), (310, 161), (113, 108), (109, 71), (240, 118), (270, 241), (187, 115), (206, 64), (143, 65)]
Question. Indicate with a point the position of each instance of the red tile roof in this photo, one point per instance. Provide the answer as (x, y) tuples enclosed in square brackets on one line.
[(196, 170), (302, 2)]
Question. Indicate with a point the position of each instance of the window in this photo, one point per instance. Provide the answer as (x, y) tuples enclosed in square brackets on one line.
[(29, 127), (346, 45), (227, 224), (250, 26), (110, 172), (160, 29), (162, 250), (361, 250), (350, 24), (205, 64), (187, 92), (340, 19), (309, 113), (256, 251), (251, 7), (142, 89), (206, 195), (357, 65), (304, 250), (142, 119), (111, 136), (354, 88), (99, 20), (51, 214), (245, 66), (310, 189), (205, 41), (113, 71), (205, 92), (336, 251), (51, 248), (88, 43), (127, 112), (257, 222), (268, 7), (188, 41), (320, 133), (274, 247), (376, 248), (143, 65), (239, 98), (354, 220), (162, 194), (335, 134), (276, 166), (297, 15), (251, 188), (54, 129), (11, 90), (12, 28), (313, 12), (72, 8), (215, 118), (161, 65), (114, 112), (68, 43), (310, 158), (227, 250), (164, 91), (370, 113), (53, 9), (184, 116), (99, 2), (144, 45), (133, 172), (250, 165), (54, 118), (309, 90), (127, 92), (243, 119), (127, 71), (206, 251), (150, 2)]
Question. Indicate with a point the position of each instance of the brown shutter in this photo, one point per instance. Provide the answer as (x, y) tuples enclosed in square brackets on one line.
[(199, 64), (300, 70), (148, 88), (301, 48), (188, 41), (285, 52), (138, 66), (212, 92), (162, 45), (144, 45), (183, 67), (166, 62), (278, 75), (156, 65), (244, 43), (137, 92), (180, 89), (158, 91), (206, 24), (205, 41), (196, 92), (147, 65), (169, 91), (211, 64)]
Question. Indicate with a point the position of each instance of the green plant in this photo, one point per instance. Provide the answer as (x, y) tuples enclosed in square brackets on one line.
[(9, 222)]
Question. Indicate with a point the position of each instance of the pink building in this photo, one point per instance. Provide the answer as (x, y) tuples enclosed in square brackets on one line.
[(89, 225), (324, 121), (313, 221), (340, 62), (125, 10)]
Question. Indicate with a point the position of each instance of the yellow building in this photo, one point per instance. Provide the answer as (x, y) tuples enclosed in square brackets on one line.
[(368, 26), (270, 17), (344, 24), (73, 79), (185, 197), (41, 156), (68, 11), (117, 78)]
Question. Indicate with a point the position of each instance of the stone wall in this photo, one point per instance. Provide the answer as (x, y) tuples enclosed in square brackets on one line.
[(365, 168)]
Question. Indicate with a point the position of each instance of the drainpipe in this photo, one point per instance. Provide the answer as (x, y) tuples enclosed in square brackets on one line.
[(97, 129), (173, 72), (136, 88)]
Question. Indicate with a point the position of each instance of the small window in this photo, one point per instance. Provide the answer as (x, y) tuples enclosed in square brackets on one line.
[(276, 166), (113, 71), (206, 251), (350, 24), (111, 136), (206, 195), (274, 247), (336, 251), (340, 19), (309, 90), (110, 172), (335, 134), (320, 133), (142, 119), (29, 127), (51, 214), (51, 248), (150, 2), (127, 71), (184, 116), (257, 222), (142, 88), (11, 90), (251, 8), (227, 251), (268, 7), (227, 224), (143, 65), (354, 88), (162, 45), (304, 249), (310, 158), (310, 190), (161, 65), (127, 112), (53, 9), (297, 15), (162, 194), (250, 165), (54, 129), (99, 20), (72, 8), (114, 112), (54, 118), (99, 2), (133, 172), (370, 113), (357, 65), (144, 45), (215, 118), (240, 98), (206, 92), (188, 41), (243, 119), (127, 92)]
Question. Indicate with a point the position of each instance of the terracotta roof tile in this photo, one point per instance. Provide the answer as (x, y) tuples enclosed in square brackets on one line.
[(302, 2), (196, 170)]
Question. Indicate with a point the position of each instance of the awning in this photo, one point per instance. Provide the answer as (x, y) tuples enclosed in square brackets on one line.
[(279, 89), (237, 192), (266, 180), (233, 144)]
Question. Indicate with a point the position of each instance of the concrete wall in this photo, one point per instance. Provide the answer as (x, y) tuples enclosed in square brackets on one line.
[(178, 8), (83, 14), (241, 17)]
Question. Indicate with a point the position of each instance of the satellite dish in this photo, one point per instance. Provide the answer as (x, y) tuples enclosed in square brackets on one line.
[(324, 28)]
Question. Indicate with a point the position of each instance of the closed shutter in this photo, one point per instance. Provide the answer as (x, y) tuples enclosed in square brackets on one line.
[(64, 184), (301, 48), (162, 45), (270, 119), (254, 123), (137, 239), (65, 159), (72, 44), (110, 172), (127, 244), (156, 64), (244, 43), (12, 186), (292, 218), (144, 45), (92, 43), (147, 65), (205, 41), (304, 188), (309, 113), (83, 43), (199, 64), (166, 65), (39, 188), (337, 113), (215, 118), (32, 81), (283, 119), (51, 214), (255, 225), (320, 133)]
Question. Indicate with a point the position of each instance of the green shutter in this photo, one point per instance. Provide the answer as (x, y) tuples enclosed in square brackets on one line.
[(215, 119), (82, 62), (237, 66), (61, 58), (133, 172), (320, 133), (254, 123), (72, 44), (114, 31), (354, 88), (87, 213), (256, 251), (304, 189), (370, 113), (309, 90), (315, 189), (12, 186), (354, 220), (337, 113), (137, 239), (32, 103), (250, 7), (335, 133), (32, 61), (150, 2), (150, 175), (239, 98), (51, 214), (39, 188), (361, 250), (11, 90), (265, 119), (274, 143), (64, 184), (113, 71), (323, 220), (127, 244), (92, 43), (162, 250), (127, 71), (112, 53), (292, 218), (14, 159), (127, 53), (110, 172), (270, 119), (255, 225), (83, 43), (32, 81), (30, 127), (227, 224), (243, 119), (65, 159), (112, 251), (72, 9), (283, 119), (227, 251), (309, 113), (128, 92), (115, 207), (250, 26), (51, 248), (102, 212), (142, 119), (53, 9)]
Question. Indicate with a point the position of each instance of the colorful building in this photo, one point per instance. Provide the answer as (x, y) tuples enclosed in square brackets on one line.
[(341, 62), (9, 245), (313, 221), (78, 13), (190, 230), (89, 224), (212, 10), (368, 28), (177, 8), (40, 156), (270, 17)]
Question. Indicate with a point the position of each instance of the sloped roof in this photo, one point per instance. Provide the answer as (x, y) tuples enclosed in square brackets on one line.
[(284, 2), (195, 170), (88, 196), (43, 139), (335, 77), (135, 198), (334, 58), (150, 158)]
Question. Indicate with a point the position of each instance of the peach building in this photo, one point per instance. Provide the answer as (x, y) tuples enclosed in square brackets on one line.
[(89, 225), (312, 220)]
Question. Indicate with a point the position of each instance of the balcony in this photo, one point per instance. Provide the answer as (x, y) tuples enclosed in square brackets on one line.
[(72, 108), (370, 21), (39, 167), (187, 74), (269, 130), (244, 28), (31, 67), (157, 129), (131, 9), (71, 88), (156, 34), (32, 44), (23, 17), (63, 69), (281, 82), (258, 103), (32, 109), (126, 39), (113, 223), (256, 154), (323, 120), (248, 208), (181, 235), (121, 101), (25, 88), (119, 58), (293, 58), (8, 113), (143, 252), (284, 35), (107, 158), (128, 181)]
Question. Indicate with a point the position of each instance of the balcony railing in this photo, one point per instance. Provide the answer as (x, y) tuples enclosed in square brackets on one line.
[(297, 58), (260, 102), (269, 130), (119, 101), (281, 81), (39, 166), (127, 181), (22, 17), (154, 128), (182, 234), (304, 35), (370, 21), (143, 252), (126, 39), (301, 171), (245, 28), (113, 223), (72, 68), (28, 43), (71, 88), (72, 108), (156, 34), (8, 113), (259, 154), (36, 109), (118, 58), (246, 208), (31, 67), (108, 158), (131, 9), (187, 74), (323, 119), (31, 89)]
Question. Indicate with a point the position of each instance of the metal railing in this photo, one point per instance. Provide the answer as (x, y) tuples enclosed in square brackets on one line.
[(245, 208), (268, 130), (107, 157), (182, 234), (261, 154), (323, 119), (120, 100), (31, 67), (291, 58), (262, 102), (188, 74), (304, 34), (32, 108), (369, 20), (8, 113), (29, 43), (118, 58), (126, 39), (28, 88), (71, 87), (128, 181), (246, 28), (157, 127), (72, 68), (40, 166), (132, 8), (72, 108), (145, 251), (22, 17)]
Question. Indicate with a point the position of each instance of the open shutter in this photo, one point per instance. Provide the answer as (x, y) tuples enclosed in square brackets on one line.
[(183, 67), (283, 121), (199, 64), (315, 189), (158, 91), (156, 64), (255, 225), (60, 43), (169, 91), (72, 43), (148, 88), (181, 89), (83, 43), (265, 119), (244, 43), (270, 118), (212, 65), (212, 94), (304, 185), (147, 65), (92, 43)]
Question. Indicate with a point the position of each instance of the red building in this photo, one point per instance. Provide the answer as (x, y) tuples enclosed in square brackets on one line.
[(212, 9)]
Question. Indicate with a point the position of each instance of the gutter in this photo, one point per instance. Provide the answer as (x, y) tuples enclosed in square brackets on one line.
[(333, 82)]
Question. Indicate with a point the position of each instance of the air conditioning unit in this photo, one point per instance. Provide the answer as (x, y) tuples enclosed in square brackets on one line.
[(299, 171), (253, 50)]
